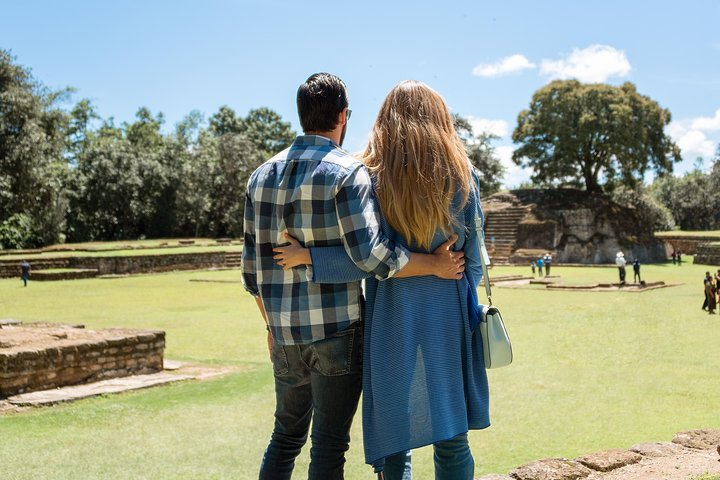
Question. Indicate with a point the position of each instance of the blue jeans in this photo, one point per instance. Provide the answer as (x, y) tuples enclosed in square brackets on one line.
[(453, 461), (322, 381)]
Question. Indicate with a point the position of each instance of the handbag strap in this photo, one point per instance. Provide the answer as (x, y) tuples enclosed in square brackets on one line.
[(483, 255)]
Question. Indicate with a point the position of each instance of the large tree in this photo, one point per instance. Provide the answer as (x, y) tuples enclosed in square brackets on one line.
[(593, 134), (33, 167)]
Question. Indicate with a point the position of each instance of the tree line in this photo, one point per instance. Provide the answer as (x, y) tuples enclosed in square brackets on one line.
[(66, 174)]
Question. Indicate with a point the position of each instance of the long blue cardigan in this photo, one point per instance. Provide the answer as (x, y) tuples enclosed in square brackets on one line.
[(424, 376)]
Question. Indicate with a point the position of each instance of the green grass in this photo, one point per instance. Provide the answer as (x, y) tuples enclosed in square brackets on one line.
[(706, 476), (593, 370), (689, 233)]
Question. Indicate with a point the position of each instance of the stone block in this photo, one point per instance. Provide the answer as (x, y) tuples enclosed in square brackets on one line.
[(551, 469), (698, 439), (657, 449), (609, 459)]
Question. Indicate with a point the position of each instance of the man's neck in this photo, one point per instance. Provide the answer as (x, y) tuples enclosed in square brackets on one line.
[(333, 135)]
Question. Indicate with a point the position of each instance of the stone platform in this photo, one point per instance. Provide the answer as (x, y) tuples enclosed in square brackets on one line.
[(43, 356)]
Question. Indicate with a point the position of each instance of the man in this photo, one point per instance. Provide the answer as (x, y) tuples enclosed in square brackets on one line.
[(548, 261), (24, 272), (621, 262), (707, 281), (636, 271), (322, 196)]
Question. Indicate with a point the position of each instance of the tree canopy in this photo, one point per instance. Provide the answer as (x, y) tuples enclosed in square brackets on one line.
[(67, 173), (594, 135)]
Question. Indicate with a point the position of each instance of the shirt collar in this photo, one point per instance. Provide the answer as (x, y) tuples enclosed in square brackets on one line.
[(313, 140)]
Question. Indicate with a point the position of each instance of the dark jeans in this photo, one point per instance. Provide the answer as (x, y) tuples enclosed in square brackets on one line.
[(25, 279), (636, 277), (322, 381), (453, 461), (622, 274)]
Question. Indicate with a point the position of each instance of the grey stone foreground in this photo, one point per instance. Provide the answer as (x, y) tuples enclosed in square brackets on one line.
[(690, 454), (113, 385)]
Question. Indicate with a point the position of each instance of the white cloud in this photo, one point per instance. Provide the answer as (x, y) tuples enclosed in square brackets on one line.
[(596, 63), (514, 174), (483, 125), (707, 124), (692, 141), (511, 64)]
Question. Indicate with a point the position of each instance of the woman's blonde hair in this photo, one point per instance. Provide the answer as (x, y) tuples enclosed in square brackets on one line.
[(418, 161)]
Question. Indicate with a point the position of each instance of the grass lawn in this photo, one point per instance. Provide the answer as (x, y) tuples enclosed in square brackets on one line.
[(689, 233), (592, 371)]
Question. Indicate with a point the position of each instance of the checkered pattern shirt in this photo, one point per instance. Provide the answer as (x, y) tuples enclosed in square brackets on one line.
[(322, 196)]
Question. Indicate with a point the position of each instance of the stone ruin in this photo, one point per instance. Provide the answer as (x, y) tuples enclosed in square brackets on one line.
[(43, 356), (575, 226)]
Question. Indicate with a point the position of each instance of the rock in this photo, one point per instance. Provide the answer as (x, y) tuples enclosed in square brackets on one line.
[(658, 449), (609, 459), (698, 439), (551, 469)]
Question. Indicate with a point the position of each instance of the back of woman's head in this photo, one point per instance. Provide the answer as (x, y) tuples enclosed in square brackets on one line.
[(418, 161)]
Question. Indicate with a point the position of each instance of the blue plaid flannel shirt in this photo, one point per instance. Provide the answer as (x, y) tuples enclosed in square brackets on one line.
[(322, 196)]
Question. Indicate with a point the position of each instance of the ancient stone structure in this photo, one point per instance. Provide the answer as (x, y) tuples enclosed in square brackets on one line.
[(119, 265), (708, 254), (45, 356), (575, 226), (686, 244), (689, 454)]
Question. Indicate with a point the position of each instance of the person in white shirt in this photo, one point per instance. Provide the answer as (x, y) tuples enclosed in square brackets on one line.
[(620, 262)]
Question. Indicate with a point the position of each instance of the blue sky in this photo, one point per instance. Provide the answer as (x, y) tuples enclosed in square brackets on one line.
[(485, 58)]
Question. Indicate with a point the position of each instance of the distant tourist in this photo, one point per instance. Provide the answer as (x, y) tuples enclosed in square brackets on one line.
[(636, 271), (679, 257), (532, 267), (717, 284), (621, 262), (709, 294), (24, 272), (707, 280), (674, 256), (548, 261), (540, 266)]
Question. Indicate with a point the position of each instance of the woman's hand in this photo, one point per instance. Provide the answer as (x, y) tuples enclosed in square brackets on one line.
[(291, 255), (448, 264)]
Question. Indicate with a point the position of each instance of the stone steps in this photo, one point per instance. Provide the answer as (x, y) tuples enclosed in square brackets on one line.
[(501, 231)]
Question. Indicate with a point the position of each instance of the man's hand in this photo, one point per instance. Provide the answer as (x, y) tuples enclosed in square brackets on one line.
[(270, 343), (448, 264)]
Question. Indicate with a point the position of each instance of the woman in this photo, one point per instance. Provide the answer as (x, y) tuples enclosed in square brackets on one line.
[(424, 379)]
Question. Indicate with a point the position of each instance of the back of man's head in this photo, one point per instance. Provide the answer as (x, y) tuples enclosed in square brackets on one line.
[(319, 101)]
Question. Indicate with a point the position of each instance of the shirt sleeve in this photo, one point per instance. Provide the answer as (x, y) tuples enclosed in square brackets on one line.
[(359, 222), (472, 246), (333, 265), (249, 271)]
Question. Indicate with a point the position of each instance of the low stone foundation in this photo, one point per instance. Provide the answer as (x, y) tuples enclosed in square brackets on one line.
[(132, 264), (48, 356), (708, 254)]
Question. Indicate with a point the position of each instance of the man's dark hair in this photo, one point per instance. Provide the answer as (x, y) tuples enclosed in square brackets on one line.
[(319, 101)]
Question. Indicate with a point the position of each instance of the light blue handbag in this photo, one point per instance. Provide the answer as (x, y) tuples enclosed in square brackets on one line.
[(495, 341)]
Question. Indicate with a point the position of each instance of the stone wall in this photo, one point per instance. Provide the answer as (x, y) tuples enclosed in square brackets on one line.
[(708, 254), (120, 265), (45, 357), (686, 245)]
